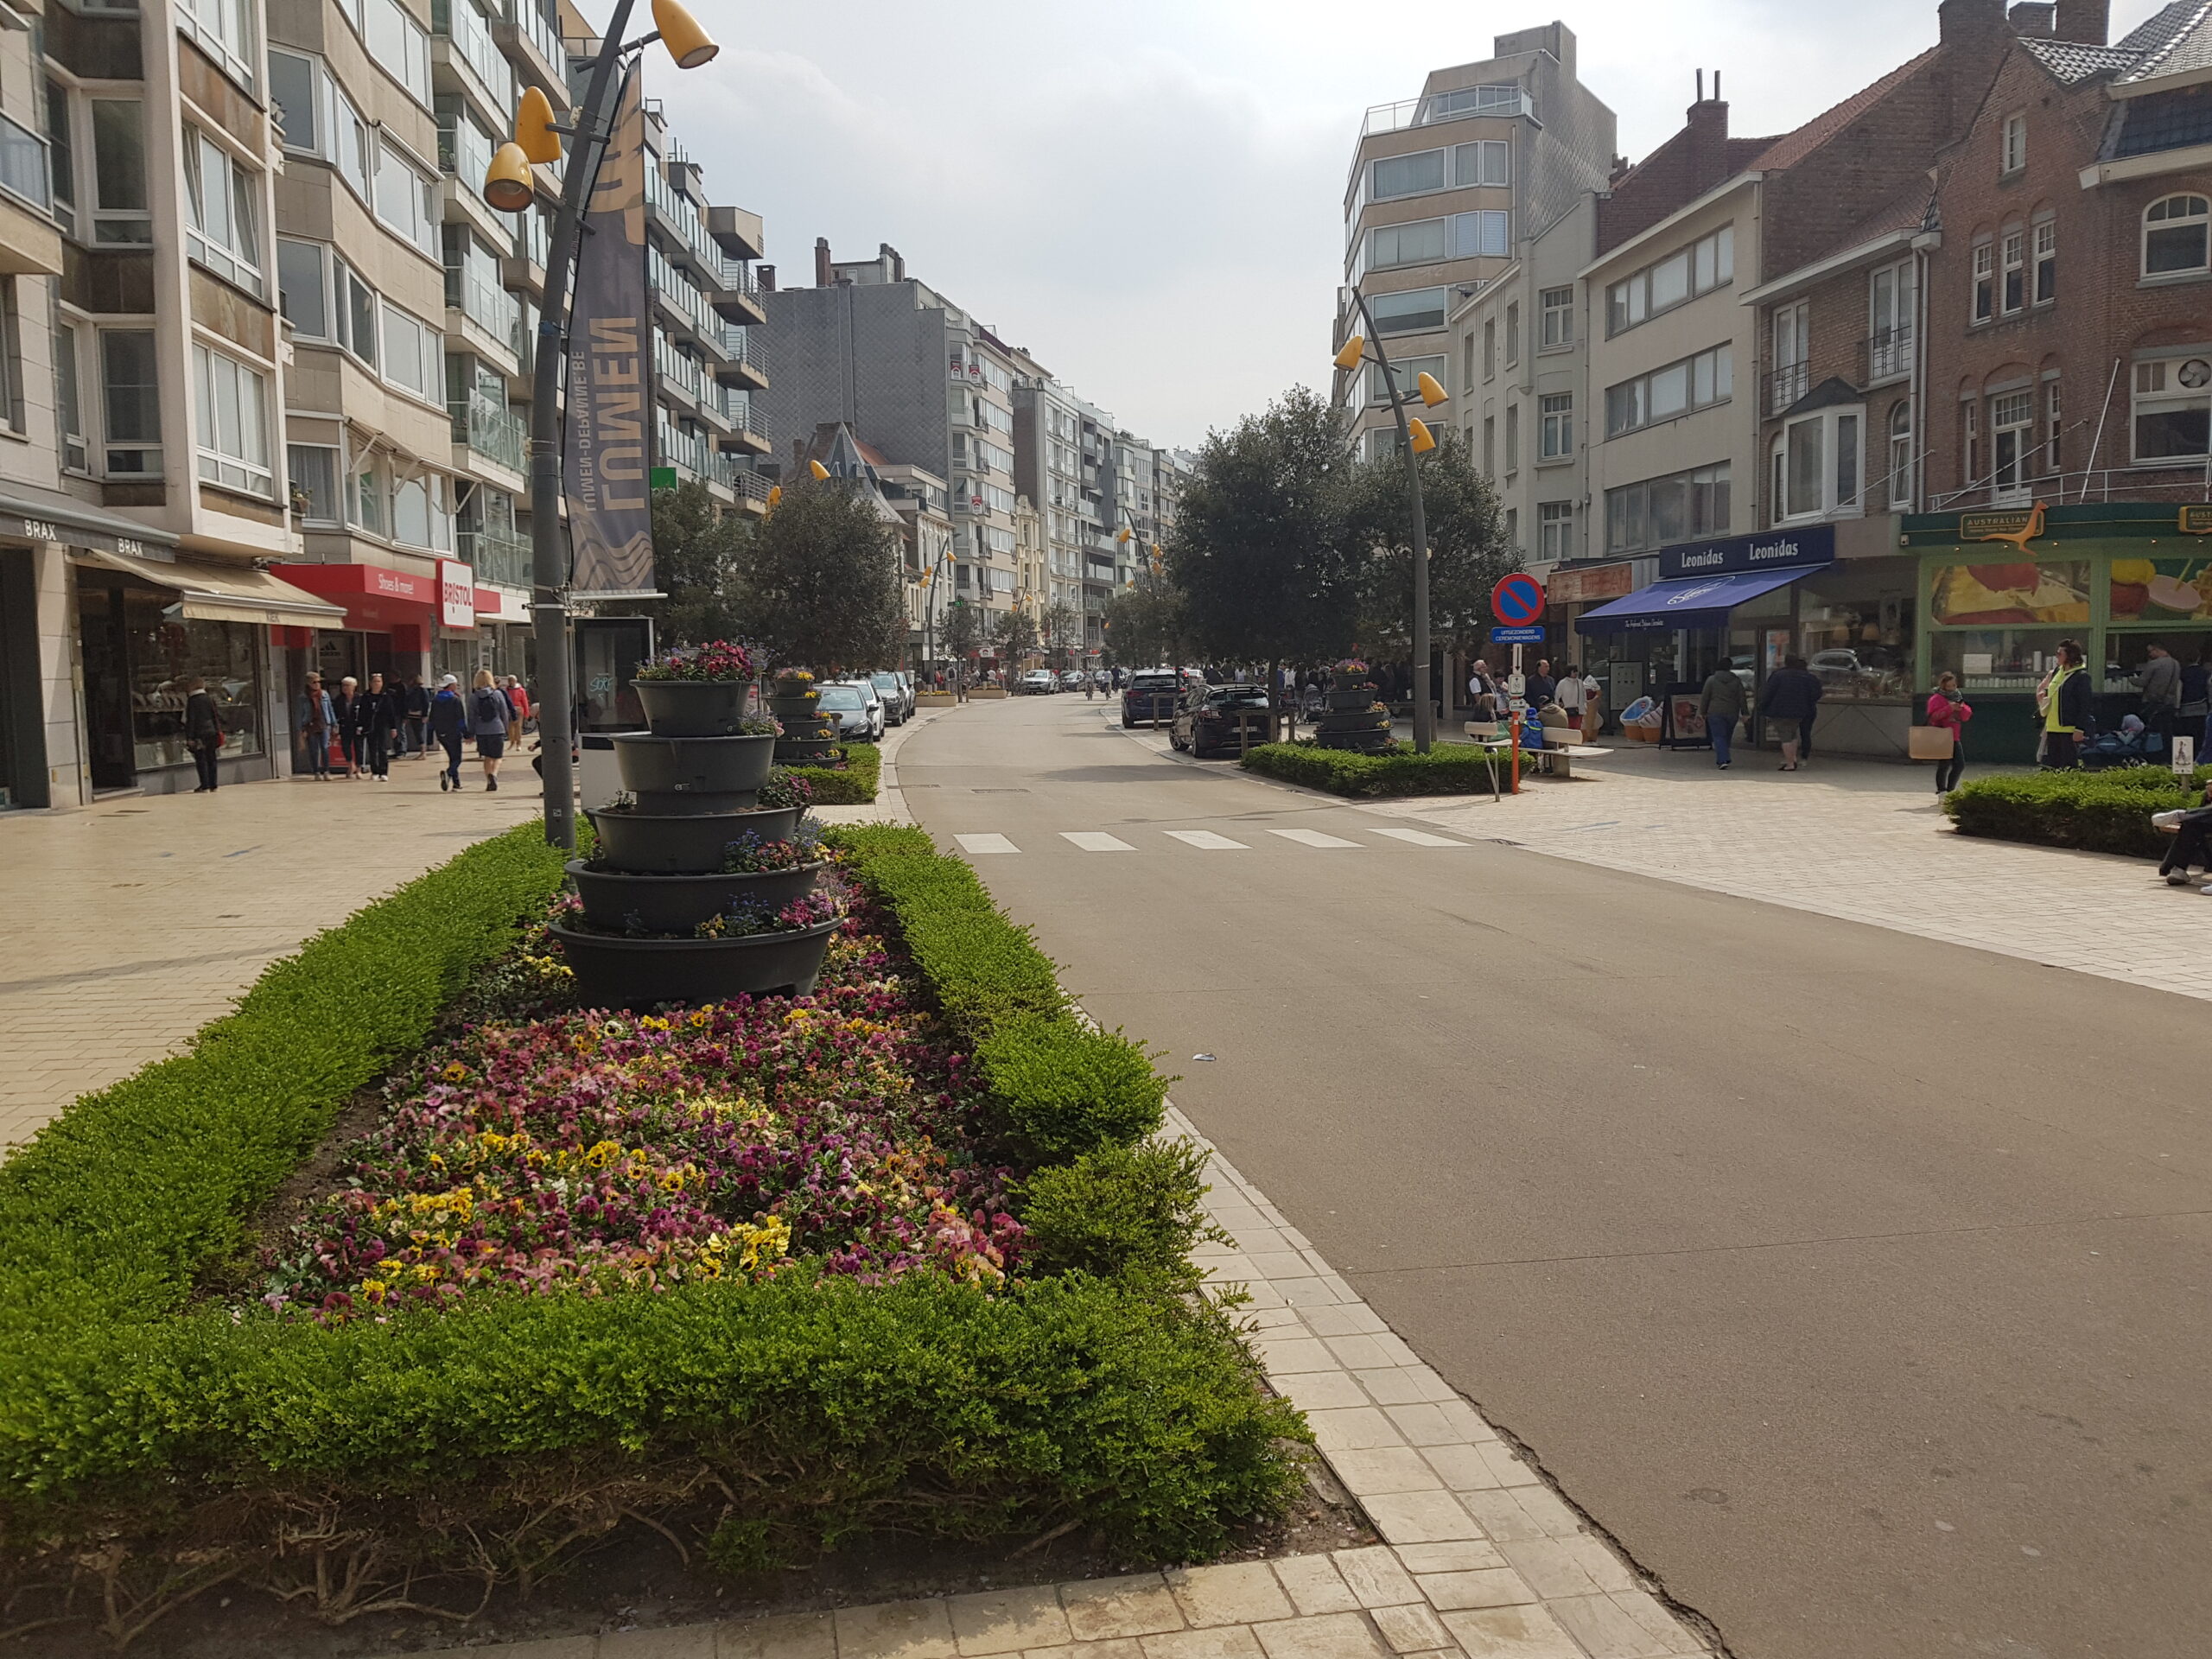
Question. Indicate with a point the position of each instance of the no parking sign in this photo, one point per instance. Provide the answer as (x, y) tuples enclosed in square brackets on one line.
[(1518, 600)]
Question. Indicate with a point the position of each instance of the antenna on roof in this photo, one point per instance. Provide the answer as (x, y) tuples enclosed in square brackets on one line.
[(1716, 86), (1700, 86)]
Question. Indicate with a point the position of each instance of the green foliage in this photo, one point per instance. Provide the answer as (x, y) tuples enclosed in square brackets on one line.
[(1130, 1213), (2093, 812), (1261, 549), (1061, 629), (1067, 1089), (853, 785), (822, 584), (1014, 633), (1146, 624), (963, 632), (1448, 769), (698, 552), (1467, 549)]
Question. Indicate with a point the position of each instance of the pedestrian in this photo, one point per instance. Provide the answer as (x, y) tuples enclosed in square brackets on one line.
[(415, 709), (1482, 692), (315, 720), (1788, 702), (490, 713), (1593, 708), (379, 718), (2064, 701), (2160, 678), (347, 706), (520, 704), (449, 724), (1947, 708), (1540, 686), (1721, 701), (2192, 843), (1569, 694), (203, 733)]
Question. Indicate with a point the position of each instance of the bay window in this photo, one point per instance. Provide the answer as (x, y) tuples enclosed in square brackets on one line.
[(227, 31), (233, 401), (1817, 462), (120, 212), (1416, 311), (221, 212), (406, 198), (130, 403)]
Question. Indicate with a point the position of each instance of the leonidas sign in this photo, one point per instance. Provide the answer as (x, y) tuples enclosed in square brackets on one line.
[(607, 457), (1771, 550), (456, 594)]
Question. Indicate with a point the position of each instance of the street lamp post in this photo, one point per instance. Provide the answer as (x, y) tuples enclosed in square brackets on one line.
[(1414, 438), (508, 186)]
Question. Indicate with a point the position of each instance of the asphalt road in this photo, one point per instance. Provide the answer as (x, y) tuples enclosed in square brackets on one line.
[(1857, 1283)]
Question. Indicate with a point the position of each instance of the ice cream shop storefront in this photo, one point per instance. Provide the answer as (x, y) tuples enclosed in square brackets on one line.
[(2117, 576)]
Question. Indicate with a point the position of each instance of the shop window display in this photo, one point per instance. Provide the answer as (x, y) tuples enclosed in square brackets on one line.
[(2010, 593), (1855, 630), (165, 657), (1998, 659)]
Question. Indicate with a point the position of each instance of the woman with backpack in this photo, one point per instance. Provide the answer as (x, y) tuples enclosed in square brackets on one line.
[(490, 713)]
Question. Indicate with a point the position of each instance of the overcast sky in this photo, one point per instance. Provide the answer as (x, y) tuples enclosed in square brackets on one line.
[(1147, 193)]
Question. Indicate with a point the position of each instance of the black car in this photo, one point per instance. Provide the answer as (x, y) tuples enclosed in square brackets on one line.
[(1152, 694), (1219, 719)]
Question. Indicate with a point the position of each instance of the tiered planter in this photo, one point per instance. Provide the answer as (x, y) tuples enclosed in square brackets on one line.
[(1352, 720), (659, 871), (808, 738)]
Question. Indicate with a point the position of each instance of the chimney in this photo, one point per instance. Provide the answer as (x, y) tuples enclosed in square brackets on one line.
[(767, 276), (894, 262), (2087, 23), (1980, 22), (1705, 135), (824, 273), (2032, 19)]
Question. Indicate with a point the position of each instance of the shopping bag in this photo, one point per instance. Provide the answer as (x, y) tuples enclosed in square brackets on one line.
[(1930, 743)]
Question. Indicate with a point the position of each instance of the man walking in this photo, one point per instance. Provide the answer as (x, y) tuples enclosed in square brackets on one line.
[(1791, 700), (416, 703), (449, 724), (1720, 702), (2160, 678), (1571, 696)]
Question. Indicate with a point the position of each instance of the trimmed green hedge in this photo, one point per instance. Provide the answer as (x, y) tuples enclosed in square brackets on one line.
[(2091, 812), (852, 784), (489, 1437), (1447, 769)]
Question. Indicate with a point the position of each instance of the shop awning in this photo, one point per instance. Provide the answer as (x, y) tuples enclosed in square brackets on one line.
[(1688, 602), (226, 593)]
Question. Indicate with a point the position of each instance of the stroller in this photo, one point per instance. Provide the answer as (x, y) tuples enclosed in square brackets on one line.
[(2133, 744)]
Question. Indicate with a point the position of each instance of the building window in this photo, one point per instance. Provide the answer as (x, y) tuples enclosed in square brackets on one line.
[(301, 288), (1512, 439), (365, 500), (406, 200), (225, 30), (60, 157), (11, 359), (131, 403), (1663, 511), (1490, 446), (2014, 145), (292, 82), (1467, 360), (312, 469), (1489, 348), (1488, 162), (1900, 455), (1793, 349), (1694, 383), (1512, 528), (1391, 176), (2016, 272), (2046, 289), (2175, 240), (1816, 466), (1557, 439), (1984, 280), (233, 407), (2173, 407), (2011, 440), (1970, 444), (1512, 334), (1408, 373), (2050, 430), (220, 218), (355, 304), (413, 354), (1558, 307), (396, 42), (120, 215), (1555, 530), (1889, 321), (1416, 311), (68, 401), (1706, 265)]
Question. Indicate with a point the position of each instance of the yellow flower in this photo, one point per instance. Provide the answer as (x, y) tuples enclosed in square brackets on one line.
[(454, 1071)]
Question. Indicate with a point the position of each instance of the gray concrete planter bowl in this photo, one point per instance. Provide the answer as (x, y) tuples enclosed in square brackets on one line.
[(693, 766), (649, 844), (692, 708), (639, 973), (676, 904)]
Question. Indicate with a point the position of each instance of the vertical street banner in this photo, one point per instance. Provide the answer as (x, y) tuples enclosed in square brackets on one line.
[(606, 448)]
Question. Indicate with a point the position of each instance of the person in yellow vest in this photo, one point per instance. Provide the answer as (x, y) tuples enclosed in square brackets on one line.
[(2064, 700)]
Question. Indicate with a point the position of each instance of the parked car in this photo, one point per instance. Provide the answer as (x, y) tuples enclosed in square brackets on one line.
[(906, 684), (1038, 681), (1209, 719), (1150, 694), (1071, 679), (895, 706), (856, 707)]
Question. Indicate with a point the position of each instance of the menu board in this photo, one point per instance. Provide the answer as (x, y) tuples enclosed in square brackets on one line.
[(2162, 590), (2019, 592)]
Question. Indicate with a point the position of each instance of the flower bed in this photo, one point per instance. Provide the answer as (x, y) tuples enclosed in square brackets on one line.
[(1447, 769)]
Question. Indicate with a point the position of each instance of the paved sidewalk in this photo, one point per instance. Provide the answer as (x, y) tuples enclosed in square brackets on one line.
[(135, 921)]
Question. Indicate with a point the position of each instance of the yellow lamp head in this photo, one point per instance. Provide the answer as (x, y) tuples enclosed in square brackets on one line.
[(534, 128), (1354, 348), (775, 497), (1430, 393), (1424, 440), (507, 184), (680, 33), (819, 471), (1122, 537)]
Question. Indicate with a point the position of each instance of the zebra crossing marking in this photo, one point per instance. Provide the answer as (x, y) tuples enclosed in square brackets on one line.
[(1206, 841), (1420, 838), (977, 844), (1311, 838), (1097, 840)]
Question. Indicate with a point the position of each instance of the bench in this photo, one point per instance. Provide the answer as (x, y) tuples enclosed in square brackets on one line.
[(1552, 762)]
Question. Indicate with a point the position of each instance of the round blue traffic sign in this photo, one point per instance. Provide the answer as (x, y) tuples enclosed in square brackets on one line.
[(1518, 600)]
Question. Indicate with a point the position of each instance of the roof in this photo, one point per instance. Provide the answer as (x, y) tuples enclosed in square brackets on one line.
[(2072, 62), (1793, 147), (2178, 40), (1908, 210)]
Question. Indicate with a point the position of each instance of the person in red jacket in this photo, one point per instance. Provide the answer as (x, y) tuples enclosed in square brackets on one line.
[(1947, 708)]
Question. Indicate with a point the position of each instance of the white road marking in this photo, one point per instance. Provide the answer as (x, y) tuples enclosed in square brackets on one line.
[(1206, 841), (1420, 838), (1097, 840), (973, 844), (1311, 838)]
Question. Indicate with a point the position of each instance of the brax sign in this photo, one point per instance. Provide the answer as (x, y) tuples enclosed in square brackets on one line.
[(1774, 549)]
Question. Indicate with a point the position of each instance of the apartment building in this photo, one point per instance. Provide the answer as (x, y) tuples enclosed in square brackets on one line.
[(1051, 472), (1445, 189)]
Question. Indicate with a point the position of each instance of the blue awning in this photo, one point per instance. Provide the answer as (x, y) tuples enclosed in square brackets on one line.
[(1688, 602)]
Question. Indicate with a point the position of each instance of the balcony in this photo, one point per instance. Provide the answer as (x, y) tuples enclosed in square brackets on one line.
[(737, 300), (753, 489), (747, 436), (1492, 102), (532, 43), (737, 232), (23, 171), (1885, 355), (1786, 384), (678, 373), (678, 219), (485, 427), (742, 372), (461, 37), (496, 554), (691, 453)]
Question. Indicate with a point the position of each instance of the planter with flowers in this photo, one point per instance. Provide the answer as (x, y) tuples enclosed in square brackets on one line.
[(1353, 719), (810, 738), (696, 690)]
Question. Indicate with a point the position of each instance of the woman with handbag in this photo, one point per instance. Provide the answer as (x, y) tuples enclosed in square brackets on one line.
[(1948, 710), (2063, 700)]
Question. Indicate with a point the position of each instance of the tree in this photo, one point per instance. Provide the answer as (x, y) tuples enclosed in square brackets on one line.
[(1144, 624), (698, 551), (1467, 551), (1062, 626), (1015, 634), (821, 586), (961, 635)]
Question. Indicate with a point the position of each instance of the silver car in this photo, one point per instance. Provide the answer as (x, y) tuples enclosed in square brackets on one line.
[(895, 706), (856, 707)]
